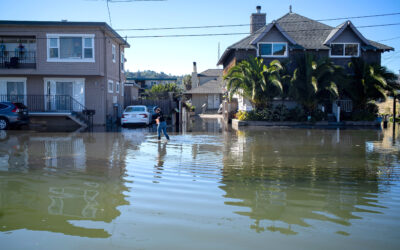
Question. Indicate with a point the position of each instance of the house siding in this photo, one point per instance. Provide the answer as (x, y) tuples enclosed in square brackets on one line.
[(96, 74), (348, 36), (274, 35)]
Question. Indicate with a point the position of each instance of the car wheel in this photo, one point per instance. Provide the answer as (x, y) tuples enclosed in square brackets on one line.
[(3, 135), (3, 123)]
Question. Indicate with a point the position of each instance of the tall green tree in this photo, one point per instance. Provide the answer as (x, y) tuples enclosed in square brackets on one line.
[(163, 91), (187, 82), (313, 82), (368, 82)]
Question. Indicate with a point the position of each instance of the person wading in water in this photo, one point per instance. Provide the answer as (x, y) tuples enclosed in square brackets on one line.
[(161, 123)]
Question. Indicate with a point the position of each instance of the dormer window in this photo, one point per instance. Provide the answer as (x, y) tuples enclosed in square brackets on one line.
[(274, 49), (345, 50)]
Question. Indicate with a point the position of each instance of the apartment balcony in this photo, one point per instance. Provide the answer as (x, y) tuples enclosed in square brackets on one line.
[(17, 59)]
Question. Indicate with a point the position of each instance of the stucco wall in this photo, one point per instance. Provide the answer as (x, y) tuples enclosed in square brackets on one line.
[(96, 73)]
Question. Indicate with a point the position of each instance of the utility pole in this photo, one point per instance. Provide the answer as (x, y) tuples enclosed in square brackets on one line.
[(395, 93)]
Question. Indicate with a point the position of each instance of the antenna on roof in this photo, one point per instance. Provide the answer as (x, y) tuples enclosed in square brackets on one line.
[(219, 49), (290, 8)]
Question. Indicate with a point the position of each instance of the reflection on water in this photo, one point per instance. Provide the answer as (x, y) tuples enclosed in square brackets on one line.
[(239, 189), (292, 176)]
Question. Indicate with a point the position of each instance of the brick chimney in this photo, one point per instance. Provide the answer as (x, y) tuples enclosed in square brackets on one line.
[(257, 20), (195, 77)]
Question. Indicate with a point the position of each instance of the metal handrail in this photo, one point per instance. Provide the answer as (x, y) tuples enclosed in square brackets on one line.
[(43, 103), (9, 59)]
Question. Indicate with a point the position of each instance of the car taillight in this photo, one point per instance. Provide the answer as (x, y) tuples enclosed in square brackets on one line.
[(144, 115), (123, 116), (15, 110)]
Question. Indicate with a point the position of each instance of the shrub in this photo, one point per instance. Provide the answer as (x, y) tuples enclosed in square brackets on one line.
[(370, 113), (297, 114), (242, 115)]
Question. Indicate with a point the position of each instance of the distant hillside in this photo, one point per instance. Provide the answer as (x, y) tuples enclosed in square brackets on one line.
[(152, 74), (149, 74)]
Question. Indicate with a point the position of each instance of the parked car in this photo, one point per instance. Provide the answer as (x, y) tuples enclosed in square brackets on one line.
[(152, 112), (13, 114), (136, 115)]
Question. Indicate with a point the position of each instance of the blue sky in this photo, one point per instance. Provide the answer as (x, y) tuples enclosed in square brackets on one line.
[(175, 55)]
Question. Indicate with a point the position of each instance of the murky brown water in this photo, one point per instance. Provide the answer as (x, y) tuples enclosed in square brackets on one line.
[(273, 188)]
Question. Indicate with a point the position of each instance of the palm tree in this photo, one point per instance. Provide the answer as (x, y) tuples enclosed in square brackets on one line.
[(313, 82), (255, 81), (280, 77), (247, 78), (369, 82)]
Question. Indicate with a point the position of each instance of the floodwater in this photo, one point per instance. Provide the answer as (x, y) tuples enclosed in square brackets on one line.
[(206, 189)]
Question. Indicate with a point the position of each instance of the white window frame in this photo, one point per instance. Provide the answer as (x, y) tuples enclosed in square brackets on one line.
[(344, 51), (112, 86), (13, 79), (272, 43), (58, 36), (122, 88), (113, 52), (117, 86)]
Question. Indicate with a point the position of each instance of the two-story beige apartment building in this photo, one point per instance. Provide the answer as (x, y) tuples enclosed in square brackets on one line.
[(62, 68)]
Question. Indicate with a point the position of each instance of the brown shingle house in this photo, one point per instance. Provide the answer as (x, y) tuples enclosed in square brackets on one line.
[(293, 34), (61, 68)]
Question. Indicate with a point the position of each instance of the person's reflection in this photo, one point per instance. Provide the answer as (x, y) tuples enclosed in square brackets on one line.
[(159, 167)]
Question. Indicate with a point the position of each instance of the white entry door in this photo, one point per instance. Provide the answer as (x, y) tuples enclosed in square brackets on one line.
[(210, 102), (213, 101), (64, 94), (216, 101)]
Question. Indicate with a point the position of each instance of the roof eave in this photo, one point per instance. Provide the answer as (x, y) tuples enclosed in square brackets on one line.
[(223, 57)]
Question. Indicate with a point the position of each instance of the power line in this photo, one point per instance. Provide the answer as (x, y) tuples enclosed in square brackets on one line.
[(224, 34), (126, 1), (247, 33), (227, 25), (239, 25), (389, 39)]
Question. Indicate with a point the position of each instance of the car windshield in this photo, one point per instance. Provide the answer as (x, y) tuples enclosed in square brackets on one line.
[(135, 109)]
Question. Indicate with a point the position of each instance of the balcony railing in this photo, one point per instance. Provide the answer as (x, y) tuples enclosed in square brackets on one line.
[(17, 59), (46, 103)]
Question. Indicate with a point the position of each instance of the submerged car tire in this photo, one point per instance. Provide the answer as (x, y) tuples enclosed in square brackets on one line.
[(3, 123)]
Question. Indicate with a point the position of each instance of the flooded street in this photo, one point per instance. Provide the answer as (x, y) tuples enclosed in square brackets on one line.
[(204, 189)]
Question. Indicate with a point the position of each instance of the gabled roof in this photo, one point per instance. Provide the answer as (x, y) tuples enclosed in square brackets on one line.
[(211, 72), (304, 33), (335, 33), (210, 87), (268, 28)]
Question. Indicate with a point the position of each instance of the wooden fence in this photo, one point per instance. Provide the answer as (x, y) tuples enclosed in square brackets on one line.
[(167, 106)]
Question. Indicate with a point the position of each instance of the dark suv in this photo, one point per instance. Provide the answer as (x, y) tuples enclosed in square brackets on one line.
[(13, 113)]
